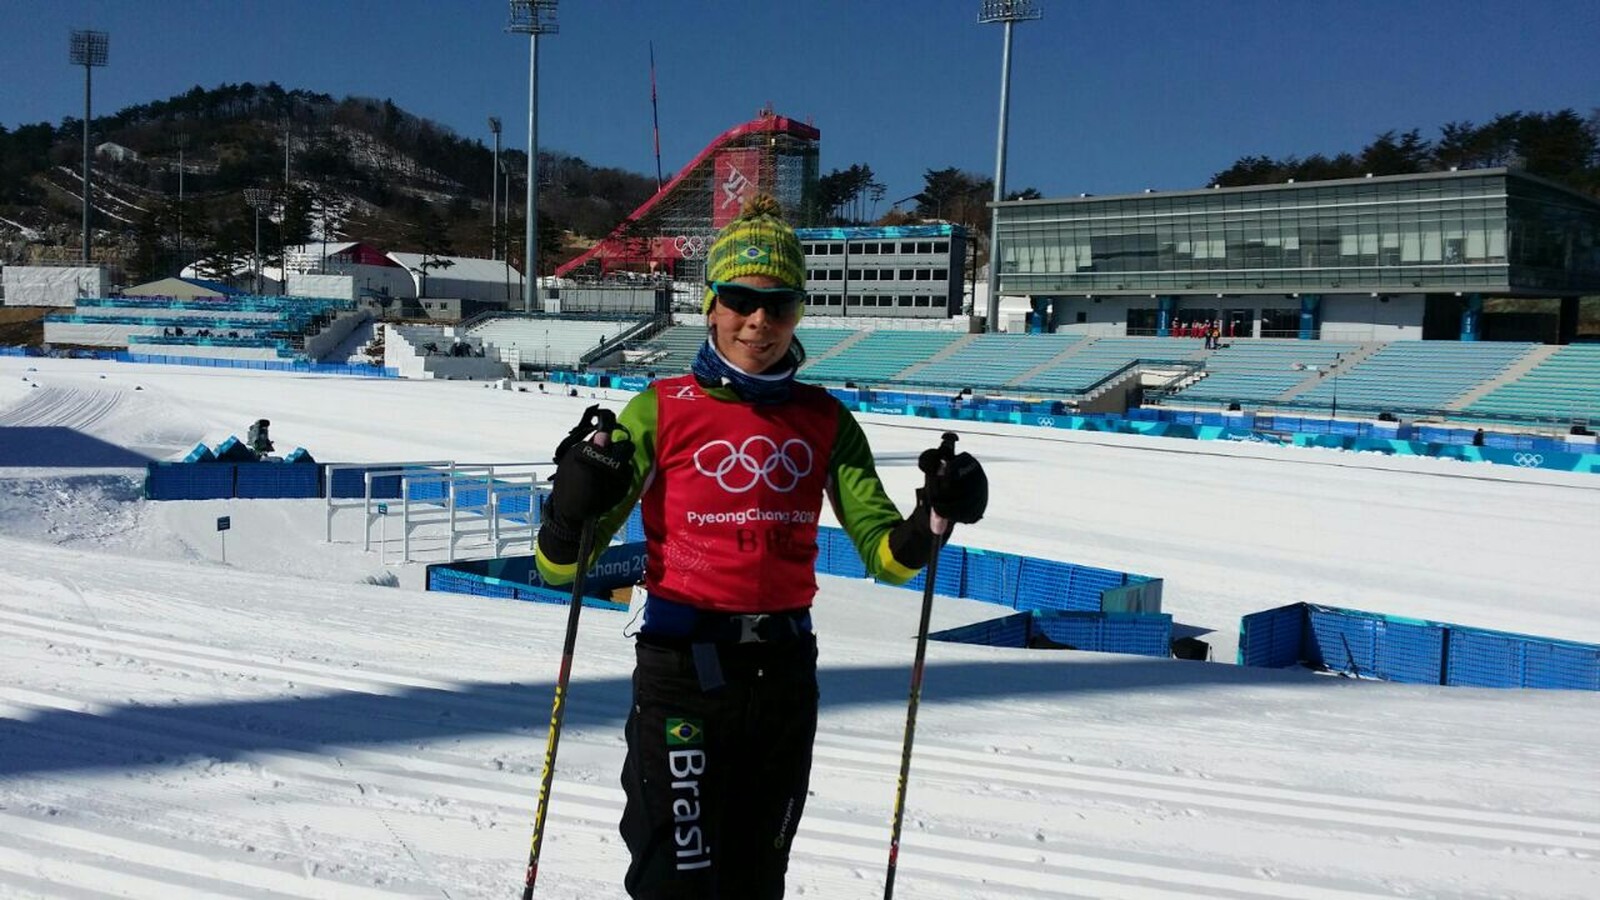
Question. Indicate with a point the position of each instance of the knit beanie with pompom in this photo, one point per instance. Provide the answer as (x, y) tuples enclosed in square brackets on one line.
[(757, 242)]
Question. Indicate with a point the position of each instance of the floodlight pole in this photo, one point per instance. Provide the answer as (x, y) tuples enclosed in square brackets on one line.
[(1008, 12), (533, 18), (257, 198), (494, 191), (88, 49)]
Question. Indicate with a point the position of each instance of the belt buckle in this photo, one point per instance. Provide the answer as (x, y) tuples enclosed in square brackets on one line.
[(750, 628)]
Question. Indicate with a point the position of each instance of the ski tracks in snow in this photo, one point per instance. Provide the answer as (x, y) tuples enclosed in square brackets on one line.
[(436, 808), (75, 408)]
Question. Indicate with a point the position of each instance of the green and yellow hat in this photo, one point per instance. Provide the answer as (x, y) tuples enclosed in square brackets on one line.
[(758, 242)]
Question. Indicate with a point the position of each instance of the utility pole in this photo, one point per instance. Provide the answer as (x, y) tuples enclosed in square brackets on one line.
[(1008, 12), (532, 18), (88, 49), (494, 198), (183, 141)]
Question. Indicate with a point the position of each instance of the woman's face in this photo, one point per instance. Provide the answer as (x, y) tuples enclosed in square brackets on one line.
[(757, 342)]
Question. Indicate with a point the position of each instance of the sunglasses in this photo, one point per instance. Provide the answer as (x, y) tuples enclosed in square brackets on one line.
[(779, 302)]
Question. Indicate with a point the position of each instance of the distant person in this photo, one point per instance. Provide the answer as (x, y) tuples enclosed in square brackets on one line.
[(1477, 438), (257, 437)]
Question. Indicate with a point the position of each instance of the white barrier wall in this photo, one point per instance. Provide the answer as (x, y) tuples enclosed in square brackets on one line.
[(404, 350), (94, 335), (54, 285), (353, 283), (328, 339)]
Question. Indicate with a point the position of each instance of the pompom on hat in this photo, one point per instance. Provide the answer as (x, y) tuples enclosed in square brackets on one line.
[(758, 242)]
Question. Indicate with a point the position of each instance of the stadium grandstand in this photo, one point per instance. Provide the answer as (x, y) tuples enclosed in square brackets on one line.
[(236, 327)]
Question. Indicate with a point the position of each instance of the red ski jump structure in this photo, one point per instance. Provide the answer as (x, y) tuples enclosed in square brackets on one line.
[(670, 232)]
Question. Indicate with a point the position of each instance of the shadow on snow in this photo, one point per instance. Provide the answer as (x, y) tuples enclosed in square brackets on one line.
[(132, 736)]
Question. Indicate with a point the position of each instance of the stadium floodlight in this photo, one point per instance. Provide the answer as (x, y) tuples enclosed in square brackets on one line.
[(88, 49), (258, 198), (532, 18), (1008, 12), (494, 191)]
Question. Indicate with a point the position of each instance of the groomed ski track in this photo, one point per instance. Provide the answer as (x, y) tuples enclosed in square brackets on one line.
[(431, 806), (172, 727)]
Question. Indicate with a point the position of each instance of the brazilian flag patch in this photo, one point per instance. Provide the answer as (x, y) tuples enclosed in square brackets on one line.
[(684, 732), (756, 253)]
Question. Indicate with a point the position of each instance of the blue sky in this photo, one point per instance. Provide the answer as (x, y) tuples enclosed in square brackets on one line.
[(1107, 97)]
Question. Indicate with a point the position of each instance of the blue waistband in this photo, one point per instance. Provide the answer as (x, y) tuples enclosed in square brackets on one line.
[(665, 618)]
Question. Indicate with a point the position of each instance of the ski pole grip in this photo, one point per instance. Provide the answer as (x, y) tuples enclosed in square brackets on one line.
[(942, 456), (933, 468), (604, 422)]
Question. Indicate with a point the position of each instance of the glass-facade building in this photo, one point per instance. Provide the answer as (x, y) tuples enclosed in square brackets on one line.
[(1484, 232)]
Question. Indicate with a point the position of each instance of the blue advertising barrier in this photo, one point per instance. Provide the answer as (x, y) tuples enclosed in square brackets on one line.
[(517, 578), (1413, 651), (1133, 633), (224, 480), (277, 480)]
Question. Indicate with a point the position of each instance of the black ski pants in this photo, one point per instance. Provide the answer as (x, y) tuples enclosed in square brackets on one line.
[(716, 780)]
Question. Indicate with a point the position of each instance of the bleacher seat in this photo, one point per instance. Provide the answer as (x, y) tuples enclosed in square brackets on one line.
[(1415, 375), (881, 355), (1259, 370), (552, 342), (1103, 356), (992, 360), (1564, 386)]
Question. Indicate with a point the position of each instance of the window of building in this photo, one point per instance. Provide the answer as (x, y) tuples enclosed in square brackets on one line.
[(1280, 323), (906, 301), (908, 247), (924, 274), (855, 247), (908, 274), (941, 274), (855, 274), (941, 246), (869, 274), (919, 301), (924, 246)]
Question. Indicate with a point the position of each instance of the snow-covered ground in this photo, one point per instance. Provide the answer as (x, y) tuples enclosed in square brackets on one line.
[(284, 725)]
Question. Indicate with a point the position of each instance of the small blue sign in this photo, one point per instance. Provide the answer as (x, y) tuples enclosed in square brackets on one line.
[(383, 509), (224, 523)]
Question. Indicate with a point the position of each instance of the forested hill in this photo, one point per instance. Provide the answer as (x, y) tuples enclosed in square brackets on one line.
[(365, 167), (1561, 146)]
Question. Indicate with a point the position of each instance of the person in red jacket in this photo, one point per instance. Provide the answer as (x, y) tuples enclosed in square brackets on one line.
[(731, 465)]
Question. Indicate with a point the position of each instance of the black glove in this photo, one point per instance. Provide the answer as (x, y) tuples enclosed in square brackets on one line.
[(592, 471), (591, 480), (956, 488)]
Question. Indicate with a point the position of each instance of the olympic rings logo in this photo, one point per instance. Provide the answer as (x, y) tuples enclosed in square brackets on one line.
[(690, 246), (1046, 421), (758, 460), (1528, 460)]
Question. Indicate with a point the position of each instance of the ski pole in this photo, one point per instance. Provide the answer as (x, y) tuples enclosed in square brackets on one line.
[(939, 526), (604, 422)]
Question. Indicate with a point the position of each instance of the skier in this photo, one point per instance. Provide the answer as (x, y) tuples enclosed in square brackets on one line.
[(733, 462)]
